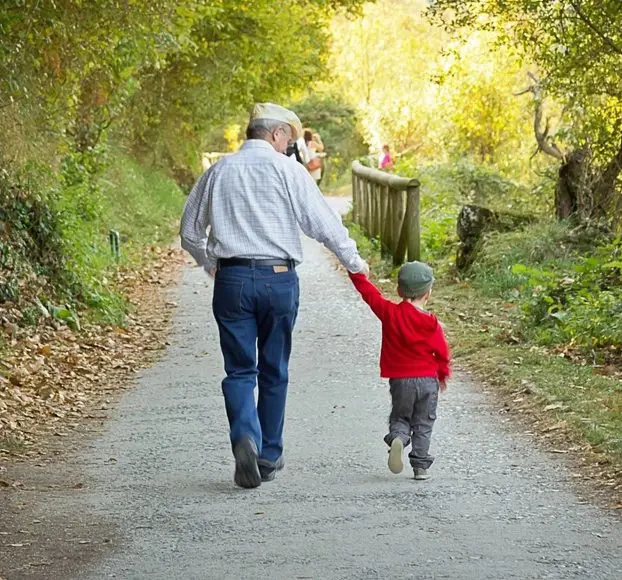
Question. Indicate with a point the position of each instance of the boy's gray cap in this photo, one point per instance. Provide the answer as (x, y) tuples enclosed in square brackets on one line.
[(415, 279)]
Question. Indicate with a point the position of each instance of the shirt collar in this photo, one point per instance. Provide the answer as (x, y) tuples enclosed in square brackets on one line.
[(256, 144)]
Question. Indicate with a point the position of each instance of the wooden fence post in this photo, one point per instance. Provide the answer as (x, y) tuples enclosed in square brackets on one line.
[(385, 220), (355, 201), (370, 206), (414, 233), (377, 208)]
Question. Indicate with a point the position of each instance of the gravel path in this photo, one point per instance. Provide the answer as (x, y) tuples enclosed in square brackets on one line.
[(159, 479)]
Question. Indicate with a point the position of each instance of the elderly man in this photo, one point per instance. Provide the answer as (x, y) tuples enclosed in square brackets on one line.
[(253, 203)]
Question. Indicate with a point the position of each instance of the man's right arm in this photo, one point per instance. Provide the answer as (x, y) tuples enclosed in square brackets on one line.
[(318, 220)]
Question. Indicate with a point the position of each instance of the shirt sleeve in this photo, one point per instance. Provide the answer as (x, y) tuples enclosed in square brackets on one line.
[(377, 302), (195, 221), (317, 220), (441, 352)]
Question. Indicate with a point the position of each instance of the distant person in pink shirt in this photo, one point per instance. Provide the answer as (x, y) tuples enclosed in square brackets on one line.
[(386, 162)]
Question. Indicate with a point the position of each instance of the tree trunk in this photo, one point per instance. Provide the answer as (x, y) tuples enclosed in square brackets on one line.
[(604, 203), (582, 193), (571, 184)]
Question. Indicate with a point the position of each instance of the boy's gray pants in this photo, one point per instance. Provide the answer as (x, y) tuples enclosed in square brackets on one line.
[(412, 417)]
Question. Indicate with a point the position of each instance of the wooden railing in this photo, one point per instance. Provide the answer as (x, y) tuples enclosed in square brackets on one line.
[(386, 206)]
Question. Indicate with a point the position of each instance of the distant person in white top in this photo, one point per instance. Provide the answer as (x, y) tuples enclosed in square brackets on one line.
[(297, 150), (314, 146), (254, 202)]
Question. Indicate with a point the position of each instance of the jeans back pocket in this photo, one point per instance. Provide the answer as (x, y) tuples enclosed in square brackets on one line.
[(284, 296), (227, 300)]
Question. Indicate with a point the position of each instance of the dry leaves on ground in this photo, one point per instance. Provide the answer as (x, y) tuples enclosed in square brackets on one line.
[(53, 376)]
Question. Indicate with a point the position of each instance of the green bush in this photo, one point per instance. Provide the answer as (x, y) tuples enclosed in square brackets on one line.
[(140, 202), (537, 246), (579, 304), (568, 294), (54, 247), (31, 244)]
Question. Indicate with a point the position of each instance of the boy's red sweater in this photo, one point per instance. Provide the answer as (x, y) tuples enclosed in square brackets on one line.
[(413, 343)]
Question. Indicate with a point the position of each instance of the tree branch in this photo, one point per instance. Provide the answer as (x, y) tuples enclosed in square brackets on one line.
[(588, 22), (542, 135)]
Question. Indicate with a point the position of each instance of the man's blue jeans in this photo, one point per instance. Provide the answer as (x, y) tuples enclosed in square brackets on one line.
[(256, 308)]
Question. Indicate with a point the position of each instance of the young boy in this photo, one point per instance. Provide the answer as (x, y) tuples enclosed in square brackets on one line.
[(415, 359)]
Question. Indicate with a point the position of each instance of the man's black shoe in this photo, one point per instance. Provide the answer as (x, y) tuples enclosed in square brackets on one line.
[(268, 469), (246, 469)]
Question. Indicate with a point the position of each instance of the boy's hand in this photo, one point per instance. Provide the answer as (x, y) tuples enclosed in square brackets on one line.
[(442, 385)]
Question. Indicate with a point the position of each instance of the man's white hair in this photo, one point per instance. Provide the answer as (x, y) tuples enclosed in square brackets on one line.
[(263, 128)]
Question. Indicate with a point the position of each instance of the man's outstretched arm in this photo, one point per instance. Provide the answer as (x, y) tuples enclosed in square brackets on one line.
[(320, 222)]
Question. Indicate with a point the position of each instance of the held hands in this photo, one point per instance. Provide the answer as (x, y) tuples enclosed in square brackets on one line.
[(364, 270)]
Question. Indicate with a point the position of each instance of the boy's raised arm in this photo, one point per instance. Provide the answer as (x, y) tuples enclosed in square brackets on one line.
[(370, 294)]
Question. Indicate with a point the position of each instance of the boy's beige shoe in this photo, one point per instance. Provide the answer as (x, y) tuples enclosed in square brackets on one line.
[(396, 456)]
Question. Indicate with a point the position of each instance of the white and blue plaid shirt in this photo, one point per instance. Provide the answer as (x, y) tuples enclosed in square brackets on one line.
[(253, 202)]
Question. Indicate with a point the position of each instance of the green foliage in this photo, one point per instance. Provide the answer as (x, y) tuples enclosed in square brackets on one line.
[(431, 95), (578, 46), (54, 249), (371, 251), (445, 188), (538, 247), (31, 247), (568, 294), (580, 304), (337, 125), (158, 73), (143, 204)]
